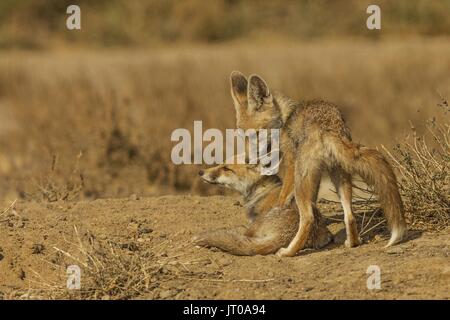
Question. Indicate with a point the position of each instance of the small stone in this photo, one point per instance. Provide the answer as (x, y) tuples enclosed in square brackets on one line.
[(394, 250), (21, 274), (37, 248), (130, 246), (18, 224), (180, 295), (165, 294), (133, 227), (224, 261), (106, 297), (134, 197), (145, 230), (378, 238)]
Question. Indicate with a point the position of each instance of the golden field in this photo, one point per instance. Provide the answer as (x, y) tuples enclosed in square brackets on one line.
[(107, 115)]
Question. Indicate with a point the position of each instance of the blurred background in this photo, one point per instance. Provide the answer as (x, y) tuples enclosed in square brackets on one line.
[(88, 113)]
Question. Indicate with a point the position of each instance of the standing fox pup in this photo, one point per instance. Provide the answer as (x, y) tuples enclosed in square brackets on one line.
[(270, 229), (315, 139)]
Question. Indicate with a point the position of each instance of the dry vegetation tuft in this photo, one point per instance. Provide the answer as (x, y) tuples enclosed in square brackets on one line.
[(52, 187), (423, 162), (112, 271)]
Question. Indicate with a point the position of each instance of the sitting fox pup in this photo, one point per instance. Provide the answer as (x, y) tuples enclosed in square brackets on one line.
[(270, 228)]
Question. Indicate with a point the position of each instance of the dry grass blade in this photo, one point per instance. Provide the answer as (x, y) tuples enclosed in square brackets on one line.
[(424, 166), (9, 207)]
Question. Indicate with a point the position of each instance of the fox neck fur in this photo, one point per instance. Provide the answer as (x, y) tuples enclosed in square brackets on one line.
[(285, 104), (259, 196)]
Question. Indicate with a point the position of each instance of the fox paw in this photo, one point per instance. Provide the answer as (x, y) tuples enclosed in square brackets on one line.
[(353, 243), (285, 252)]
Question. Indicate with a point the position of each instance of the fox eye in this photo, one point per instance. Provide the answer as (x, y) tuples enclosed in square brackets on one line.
[(227, 169)]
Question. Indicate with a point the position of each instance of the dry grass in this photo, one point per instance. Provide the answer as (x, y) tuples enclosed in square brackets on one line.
[(118, 108), (110, 272), (113, 271), (40, 23), (50, 189), (423, 162), (365, 206)]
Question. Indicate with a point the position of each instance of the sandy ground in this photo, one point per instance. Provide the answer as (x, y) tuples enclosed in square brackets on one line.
[(32, 234)]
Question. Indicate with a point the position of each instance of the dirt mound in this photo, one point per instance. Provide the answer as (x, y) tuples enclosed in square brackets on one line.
[(137, 248)]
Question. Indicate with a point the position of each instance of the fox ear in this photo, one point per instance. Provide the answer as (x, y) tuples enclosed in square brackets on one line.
[(239, 89), (258, 92)]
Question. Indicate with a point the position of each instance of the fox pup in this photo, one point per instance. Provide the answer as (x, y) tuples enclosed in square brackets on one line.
[(270, 228), (315, 140)]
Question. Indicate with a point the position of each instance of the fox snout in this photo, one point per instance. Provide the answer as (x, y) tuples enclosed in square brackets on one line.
[(207, 176)]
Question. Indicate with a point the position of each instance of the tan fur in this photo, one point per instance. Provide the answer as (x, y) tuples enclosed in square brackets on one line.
[(270, 228), (315, 139)]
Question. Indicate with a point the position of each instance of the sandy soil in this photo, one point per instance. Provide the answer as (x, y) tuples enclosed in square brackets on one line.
[(32, 234)]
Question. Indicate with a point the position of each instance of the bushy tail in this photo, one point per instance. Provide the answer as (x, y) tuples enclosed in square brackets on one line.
[(376, 171), (236, 242)]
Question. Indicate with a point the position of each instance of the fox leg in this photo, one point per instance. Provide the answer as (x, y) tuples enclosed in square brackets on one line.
[(308, 174), (287, 188), (343, 183)]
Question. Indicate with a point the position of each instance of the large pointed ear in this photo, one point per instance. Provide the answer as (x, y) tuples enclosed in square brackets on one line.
[(238, 89), (258, 92)]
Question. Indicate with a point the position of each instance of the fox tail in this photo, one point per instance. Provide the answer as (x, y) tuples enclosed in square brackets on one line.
[(236, 242), (376, 171)]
